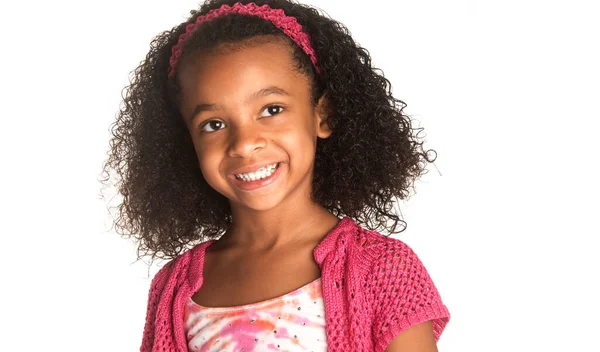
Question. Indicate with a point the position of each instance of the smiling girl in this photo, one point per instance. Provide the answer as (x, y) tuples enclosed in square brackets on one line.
[(259, 151)]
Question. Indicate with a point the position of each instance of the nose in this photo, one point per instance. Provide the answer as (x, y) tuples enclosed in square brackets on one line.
[(245, 141)]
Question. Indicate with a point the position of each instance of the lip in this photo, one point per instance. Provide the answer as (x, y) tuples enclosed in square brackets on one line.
[(252, 185), (253, 168)]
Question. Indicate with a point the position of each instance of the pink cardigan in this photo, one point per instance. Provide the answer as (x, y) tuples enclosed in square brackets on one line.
[(374, 287)]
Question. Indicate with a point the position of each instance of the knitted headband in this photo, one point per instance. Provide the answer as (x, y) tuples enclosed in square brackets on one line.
[(289, 25)]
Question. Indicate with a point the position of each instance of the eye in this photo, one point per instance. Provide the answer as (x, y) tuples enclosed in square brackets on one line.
[(213, 125), (273, 110)]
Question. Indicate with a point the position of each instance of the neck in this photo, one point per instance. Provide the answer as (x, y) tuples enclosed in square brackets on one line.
[(288, 223)]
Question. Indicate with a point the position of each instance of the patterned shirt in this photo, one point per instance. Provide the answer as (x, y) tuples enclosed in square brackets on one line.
[(292, 322)]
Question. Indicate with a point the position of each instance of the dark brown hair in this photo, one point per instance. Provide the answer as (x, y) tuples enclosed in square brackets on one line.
[(372, 158)]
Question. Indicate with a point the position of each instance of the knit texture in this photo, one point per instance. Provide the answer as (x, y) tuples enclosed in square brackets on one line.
[(374, 288)]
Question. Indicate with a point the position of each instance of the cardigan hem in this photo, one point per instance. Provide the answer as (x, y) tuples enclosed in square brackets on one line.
[(438, 314)]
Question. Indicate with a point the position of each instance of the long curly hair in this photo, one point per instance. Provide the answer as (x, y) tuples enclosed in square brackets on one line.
[(371, 159)]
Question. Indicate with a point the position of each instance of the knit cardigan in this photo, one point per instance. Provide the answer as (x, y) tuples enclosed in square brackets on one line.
[(374, 287)]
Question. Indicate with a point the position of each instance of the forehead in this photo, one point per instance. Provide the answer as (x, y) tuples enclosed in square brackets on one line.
[(238, 69)]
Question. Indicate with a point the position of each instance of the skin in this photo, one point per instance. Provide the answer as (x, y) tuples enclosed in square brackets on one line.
[(418, 338), (277, 223), (249, 134)]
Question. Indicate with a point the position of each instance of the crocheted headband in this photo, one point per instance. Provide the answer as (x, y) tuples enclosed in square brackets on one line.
[(289, 25)]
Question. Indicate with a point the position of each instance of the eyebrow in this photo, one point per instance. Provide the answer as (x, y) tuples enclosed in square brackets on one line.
[(252, 97)]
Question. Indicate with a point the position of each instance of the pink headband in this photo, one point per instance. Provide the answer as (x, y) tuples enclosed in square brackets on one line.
[(289, 25)]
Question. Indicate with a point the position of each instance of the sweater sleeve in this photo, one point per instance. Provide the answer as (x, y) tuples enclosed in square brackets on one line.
[(156, 288), (404, 295)]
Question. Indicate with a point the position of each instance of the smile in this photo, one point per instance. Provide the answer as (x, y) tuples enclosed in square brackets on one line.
[(258, 174), (259, 178)]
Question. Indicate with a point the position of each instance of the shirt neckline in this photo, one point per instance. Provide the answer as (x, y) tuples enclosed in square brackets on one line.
[(255, 305), (194, 276)]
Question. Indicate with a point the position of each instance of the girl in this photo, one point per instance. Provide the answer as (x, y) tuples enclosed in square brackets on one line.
[(255, 143)]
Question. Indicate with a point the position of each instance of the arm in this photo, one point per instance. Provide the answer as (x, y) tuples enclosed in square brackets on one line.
[(408, 307), (156, 287), (418, 338)]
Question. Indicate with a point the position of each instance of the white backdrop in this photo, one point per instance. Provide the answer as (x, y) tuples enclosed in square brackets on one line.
[(508, 94)]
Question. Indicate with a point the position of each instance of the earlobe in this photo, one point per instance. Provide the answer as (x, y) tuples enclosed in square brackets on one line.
[(322, 114), (324, 130)]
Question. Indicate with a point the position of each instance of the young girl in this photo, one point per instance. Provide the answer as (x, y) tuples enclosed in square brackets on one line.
[(255, 145)]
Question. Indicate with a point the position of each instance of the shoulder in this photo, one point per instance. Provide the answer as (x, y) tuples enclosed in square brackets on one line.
[(376, 249), (365, 249), (383, 261), (395, 269), (176, 267), (394, 266), (401, 291), (164, 273), (397, 285)]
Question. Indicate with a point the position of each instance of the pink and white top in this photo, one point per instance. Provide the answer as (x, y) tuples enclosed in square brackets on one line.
[(292, 322), (374, 288)]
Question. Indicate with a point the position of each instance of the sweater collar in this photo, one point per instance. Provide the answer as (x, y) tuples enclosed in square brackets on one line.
[(329, 243), (321, 251)]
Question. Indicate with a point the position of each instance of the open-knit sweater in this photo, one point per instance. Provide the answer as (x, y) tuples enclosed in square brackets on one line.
[(374, 288)]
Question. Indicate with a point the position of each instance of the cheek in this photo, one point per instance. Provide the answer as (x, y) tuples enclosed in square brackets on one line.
[(300, 144), (209, 164)]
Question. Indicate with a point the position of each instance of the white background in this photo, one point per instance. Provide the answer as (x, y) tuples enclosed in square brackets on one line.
[(507, 92)]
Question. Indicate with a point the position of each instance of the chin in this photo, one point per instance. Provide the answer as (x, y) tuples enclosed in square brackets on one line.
[(259, 203)]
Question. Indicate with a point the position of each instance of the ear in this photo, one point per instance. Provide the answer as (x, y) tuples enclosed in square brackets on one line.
[(321, 115)]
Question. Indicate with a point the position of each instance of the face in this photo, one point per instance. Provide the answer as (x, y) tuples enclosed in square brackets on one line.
[(247, 110)]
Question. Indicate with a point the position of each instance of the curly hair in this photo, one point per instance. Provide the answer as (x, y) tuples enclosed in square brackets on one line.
[(371, 159)]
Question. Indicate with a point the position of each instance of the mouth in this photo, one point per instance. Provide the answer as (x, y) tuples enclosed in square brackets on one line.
[(259, 178)]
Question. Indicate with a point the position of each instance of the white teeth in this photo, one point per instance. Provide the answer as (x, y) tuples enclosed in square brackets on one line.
[(258, 174)]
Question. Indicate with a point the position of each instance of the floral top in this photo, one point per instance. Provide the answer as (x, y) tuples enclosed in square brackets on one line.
[(292, 322)]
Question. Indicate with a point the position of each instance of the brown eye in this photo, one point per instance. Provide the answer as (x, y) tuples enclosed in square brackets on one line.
[(273, 110), (213, 125)]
